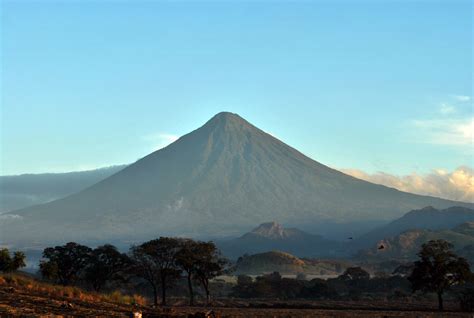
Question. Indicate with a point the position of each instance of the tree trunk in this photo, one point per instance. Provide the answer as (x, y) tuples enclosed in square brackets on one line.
[(155, 295), (205, 284), (163, 292), (191, 292), (208, 297), (440, 301)]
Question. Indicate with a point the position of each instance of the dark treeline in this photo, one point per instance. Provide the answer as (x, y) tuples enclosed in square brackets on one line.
[(175, 264), (437, 271), (9, 263), (158, 263), (353, 284)]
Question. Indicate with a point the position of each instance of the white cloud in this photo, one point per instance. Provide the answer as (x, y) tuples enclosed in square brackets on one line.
[(445, 131), (160, 140), (456, 185), (446, 109), (462, 98), (451, 125)]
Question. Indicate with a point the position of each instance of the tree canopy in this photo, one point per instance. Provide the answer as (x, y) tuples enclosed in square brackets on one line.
[(10, 264), (438, 269), (106, 264), (65, 264)]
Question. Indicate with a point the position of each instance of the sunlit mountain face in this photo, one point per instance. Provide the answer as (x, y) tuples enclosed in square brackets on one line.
[(218, 180)]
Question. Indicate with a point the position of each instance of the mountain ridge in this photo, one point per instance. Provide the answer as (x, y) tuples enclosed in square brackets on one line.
[(405, 246), (23, 190), (216, 180), (271, 236), (427, 218)]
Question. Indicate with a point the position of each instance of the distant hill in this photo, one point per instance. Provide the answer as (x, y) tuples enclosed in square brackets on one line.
[(218, 180), (273, 236), (20, 191), (286, 264), (427, 218), (405, 246)]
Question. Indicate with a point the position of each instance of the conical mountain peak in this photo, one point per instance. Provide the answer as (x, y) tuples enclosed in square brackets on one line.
[(229, 122), (226, 116), (216, 180)]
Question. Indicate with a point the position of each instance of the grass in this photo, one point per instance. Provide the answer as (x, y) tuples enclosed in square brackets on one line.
[(24, 282)]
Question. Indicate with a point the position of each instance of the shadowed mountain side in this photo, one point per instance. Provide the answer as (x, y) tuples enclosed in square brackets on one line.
[(272, 236), (217, 180), (427, 218), (17, 192), (405, 246)]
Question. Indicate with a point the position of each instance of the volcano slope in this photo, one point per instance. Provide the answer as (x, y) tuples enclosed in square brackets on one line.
[(220, 179)]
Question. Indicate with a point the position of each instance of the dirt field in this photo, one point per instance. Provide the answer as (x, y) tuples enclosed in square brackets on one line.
[(28, 304)]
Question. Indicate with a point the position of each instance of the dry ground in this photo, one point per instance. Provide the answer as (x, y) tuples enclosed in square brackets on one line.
[(26, 303)]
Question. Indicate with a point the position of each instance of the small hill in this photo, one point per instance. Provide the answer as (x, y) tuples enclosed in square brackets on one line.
[(273, 236), (465, 228), (274, 231), (427, 218), (405, 246), (286, 264)]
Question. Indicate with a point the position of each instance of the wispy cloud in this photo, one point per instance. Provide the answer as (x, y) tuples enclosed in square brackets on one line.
[(447, 109), (462, 98), (445, 131), (452, 124), (160, 140), (456, 185)]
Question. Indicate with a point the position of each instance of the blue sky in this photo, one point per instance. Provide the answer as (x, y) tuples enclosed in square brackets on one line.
[(352, 84)]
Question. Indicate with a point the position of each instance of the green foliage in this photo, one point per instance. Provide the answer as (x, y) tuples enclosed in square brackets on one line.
[(65, 264), (318, 289), (438, 269), (209, 264), (200, 261), (105, 265), (156, 262), (342, 287), (187, 258), (10, 264)]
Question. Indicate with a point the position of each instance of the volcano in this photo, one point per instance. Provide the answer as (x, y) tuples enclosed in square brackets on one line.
[(218, 180)]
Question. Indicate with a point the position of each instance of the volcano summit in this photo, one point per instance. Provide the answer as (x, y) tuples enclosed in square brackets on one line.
[(220, 179)]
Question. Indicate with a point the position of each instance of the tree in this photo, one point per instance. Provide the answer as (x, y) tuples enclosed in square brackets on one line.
[(355, 280), (187, 257), (11, 264), (155, 261), (243, 288), (404, 270), (209, 264), (465, 295), (354, 274), (106, 264), (65, 264), (318, 288), (301, 276), (438, 269)]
